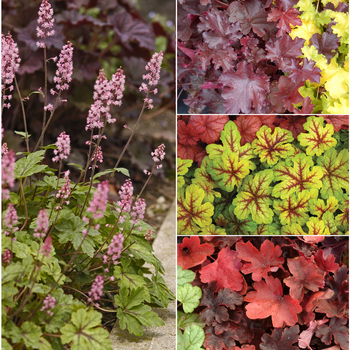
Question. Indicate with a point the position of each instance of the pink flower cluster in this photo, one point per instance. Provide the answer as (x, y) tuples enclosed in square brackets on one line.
[(45, 22), (11, 219), (138, 211), (98, 155), (42, 224), (6, 257), (96, 289), (49, 304), (153, 66), (65, 67), (148, 235), (125, 194), (9, 65), (115, 248), (46, 248), (63, 147), (99, 201), (64, 192), (106, 93), (7, 173)]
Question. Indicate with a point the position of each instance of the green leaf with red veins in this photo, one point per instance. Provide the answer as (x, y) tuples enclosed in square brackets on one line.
[(262, 229), (272, 146), (318, 206), (205, 181), (329, 221), (293, 229), (239, 227), (228, 170), (319, 138), (317, 227), (255, 198), (304, 277), (335, 168), (191, 211), (212, 230), (269, 300), (297, 178), (294, 208), (182, 169), (261, 262), (230, 138)]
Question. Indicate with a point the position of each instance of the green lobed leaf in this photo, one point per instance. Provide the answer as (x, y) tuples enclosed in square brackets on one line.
[(28, 166), (185, 320), (319, 138), (189, 296), (255, 198), (271, 146), (192, 338), (184, 276), (85, 331)]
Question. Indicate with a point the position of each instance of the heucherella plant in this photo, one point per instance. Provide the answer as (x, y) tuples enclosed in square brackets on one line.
[(65, 246), (288, 179)]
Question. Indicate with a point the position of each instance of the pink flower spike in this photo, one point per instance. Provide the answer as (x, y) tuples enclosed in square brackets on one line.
[(64, 192), (6, 257), (45, 22), (125, 194), (46, 248), (99, 201), (65, 68), (158, 153), (115, 248), (49, 304), (42, 224), (9, 64), (96, 289), (138, 210), (63, 147), (11, 219), (7, 173)]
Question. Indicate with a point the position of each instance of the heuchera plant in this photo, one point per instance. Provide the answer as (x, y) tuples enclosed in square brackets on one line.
[(263, 175), (267, 293), (64, 245), (264, 56)]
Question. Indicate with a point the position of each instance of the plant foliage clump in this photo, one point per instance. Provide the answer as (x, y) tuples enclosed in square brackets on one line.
[(263, 175)]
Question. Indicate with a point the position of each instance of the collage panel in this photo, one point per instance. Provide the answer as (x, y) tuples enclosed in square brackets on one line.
[(263, 57), (263, 293), (263, 175)]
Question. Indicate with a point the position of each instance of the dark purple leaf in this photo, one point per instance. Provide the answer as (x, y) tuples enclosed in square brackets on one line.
[(308, 71), (327, 44), (74, 18)]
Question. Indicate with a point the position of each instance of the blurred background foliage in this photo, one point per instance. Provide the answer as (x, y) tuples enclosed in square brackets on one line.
[(105, 34)]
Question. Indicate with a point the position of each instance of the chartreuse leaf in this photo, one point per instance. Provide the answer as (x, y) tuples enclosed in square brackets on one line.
[(182, 169), (293, 229), (297, 178), (335, 168), (319, 138), (317, 227), (294, 208), (255, 198), (230, 138), (133, 313), (329, 221), (189, 297), (212, 230), (184, 276), (318, 206), (272, 146), (192, 339), (305, 31), (29, 165), (228, 170), (342, 220), (235, 226), (85, 332), (191, 212), (205, 181)]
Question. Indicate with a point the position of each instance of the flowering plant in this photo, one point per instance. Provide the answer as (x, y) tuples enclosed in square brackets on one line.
[(64, 245)]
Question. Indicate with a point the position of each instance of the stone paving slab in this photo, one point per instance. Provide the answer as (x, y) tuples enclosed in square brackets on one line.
[(157, 338)]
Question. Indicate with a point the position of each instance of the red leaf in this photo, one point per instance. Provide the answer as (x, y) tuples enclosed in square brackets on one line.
[(325, 263), (308, 71), (268, 300), (247, 127), (191, 253), (305, 276), (268, 259), (268, 120), (225, 270), (208, 127), (294, 124), (245, 347), (223, 341), (337, 121), (188, 151), (281, 339), (187, 134)]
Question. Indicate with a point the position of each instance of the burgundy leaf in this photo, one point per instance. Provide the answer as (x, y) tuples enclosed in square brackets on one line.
[(245, 89), (308, 71), (327, 44), (281, 339), (294, 124), (285, 19), (336, 330), (325, 262), (223, 341)]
